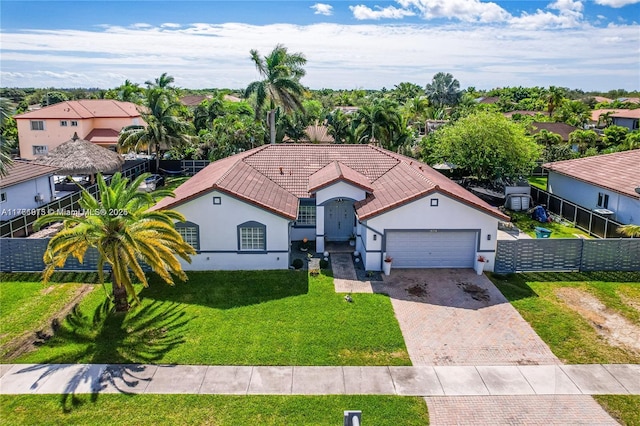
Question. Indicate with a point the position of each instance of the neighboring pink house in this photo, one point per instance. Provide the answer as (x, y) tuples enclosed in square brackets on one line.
[(96, 120)]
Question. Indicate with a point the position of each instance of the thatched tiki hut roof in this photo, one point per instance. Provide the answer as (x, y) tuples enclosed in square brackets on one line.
[(80, 157)]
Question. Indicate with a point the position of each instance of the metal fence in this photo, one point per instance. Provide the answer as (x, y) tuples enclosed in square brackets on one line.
[(25, 255), (595, 224), (184, 167), (22, 226), (527, 255)]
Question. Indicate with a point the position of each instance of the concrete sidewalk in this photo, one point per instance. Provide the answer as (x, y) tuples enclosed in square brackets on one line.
[(623, 379)]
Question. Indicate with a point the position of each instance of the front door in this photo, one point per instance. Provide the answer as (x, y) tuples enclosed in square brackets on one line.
[(339, 218)]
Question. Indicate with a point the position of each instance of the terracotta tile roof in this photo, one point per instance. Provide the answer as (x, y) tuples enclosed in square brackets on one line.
[(618, 172), (103, 136), (82, 109), (627, 113), (22, 171), (334, 172), (194, 100), (276, 176), (561, 129), (596, 113)]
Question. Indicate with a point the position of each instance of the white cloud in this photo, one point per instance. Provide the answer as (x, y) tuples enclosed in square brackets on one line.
[(463, 10), (362, 12), (322, 9), (170, 25), (339, 56), (566, 5), (616, 3)]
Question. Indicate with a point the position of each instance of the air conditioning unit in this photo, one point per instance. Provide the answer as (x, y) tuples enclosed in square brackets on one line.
[(39, 198)]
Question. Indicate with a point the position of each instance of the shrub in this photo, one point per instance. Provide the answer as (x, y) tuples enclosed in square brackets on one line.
[(298, 263), (314, 272), (324, 264)]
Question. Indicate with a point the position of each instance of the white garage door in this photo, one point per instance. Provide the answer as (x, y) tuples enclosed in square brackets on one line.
[(420, 249)]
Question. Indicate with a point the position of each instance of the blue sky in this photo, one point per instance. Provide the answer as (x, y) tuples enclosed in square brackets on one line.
[(591, 45)]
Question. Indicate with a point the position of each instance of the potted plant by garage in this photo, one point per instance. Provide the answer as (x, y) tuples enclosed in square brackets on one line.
[(480, 261), (386, 265)]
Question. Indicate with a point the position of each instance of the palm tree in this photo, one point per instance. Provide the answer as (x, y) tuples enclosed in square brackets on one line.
[(164, 126), (338, 125), (444, 90), (280, 85), (162, 82), (119, 225), (630, 230), (554, 99), (129, 92)]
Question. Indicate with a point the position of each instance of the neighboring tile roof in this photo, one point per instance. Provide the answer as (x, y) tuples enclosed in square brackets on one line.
[(488, 100), (522, 112), (596, 113), (274, 177), (561, 129), (627, 113), (618, 172), (194, 100), (22, 171), (103, 136), (82, 109)]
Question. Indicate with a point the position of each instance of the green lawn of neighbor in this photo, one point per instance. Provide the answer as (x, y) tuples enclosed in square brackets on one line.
[(109, 409), (233, 318), (569, 334), (538, 182), (558, 230)]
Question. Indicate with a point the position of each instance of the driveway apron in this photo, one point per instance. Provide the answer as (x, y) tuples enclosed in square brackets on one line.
[(454, 317)]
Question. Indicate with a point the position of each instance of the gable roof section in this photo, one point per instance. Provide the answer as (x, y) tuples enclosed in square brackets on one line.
[(627, 113), (334, 172), (103, 136), (618, 172), (274, 177), (22, 171), (562, 129), (84, 109)]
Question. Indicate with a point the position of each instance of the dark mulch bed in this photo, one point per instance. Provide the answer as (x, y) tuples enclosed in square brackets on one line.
[(364, 275)]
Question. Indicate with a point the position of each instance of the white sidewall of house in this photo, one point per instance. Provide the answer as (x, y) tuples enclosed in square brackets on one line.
[(22, 196), (450, 214), (627, 209), (219, 234)]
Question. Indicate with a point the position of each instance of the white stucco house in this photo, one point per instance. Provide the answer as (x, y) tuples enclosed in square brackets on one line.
[(26, 187), (602, 182), (244, 211)]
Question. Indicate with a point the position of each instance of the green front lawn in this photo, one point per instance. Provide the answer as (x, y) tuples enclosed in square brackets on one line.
[(573, 335), (233, 318), (26, 307), (208, 410)]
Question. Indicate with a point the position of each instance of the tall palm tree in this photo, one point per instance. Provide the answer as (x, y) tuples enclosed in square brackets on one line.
[(129, 92), (338, 125), (280, 85), (164, 126), (444, 90), (5, 147), (554, 99), (163, 82), (125, 233)]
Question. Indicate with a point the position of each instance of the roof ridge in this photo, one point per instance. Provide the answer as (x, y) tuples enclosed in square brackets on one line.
[(79, 103)]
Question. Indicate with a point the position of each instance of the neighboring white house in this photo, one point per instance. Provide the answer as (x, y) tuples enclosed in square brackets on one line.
[(25, 188), (629, 118), (244, 211), (609, 182)]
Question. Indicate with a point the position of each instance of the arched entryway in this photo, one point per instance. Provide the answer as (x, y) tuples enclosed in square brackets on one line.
[(339, 219)]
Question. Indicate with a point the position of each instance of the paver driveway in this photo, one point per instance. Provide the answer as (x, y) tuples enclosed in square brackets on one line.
[(456, 317)]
